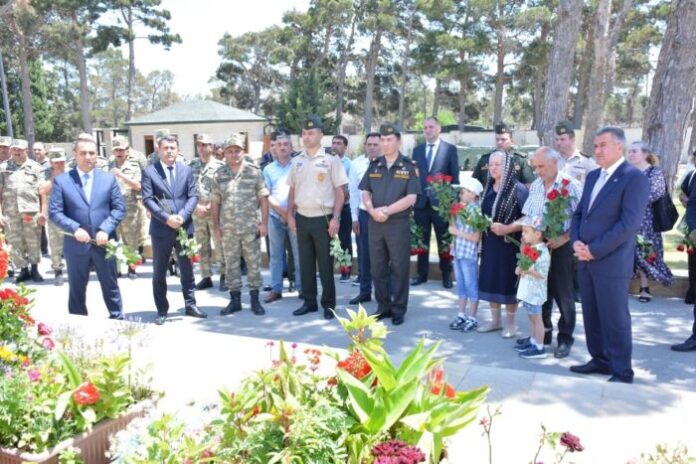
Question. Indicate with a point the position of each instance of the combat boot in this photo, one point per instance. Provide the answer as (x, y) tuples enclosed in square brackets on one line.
[(256, 307), (35, 276), (235, 304), (23, 275), (223, 284)]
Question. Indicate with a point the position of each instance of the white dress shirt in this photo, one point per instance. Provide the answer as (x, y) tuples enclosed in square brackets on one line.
[(358, 168)]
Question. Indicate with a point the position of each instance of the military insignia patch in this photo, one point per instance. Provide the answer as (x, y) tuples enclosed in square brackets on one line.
[(321, 177)]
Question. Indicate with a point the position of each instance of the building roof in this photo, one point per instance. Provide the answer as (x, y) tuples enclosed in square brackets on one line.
[(196, 111)]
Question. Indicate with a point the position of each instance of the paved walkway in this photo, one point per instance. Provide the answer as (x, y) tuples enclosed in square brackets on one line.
[(193, 358)]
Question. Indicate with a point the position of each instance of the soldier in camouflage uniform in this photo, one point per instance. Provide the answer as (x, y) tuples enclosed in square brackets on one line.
[(57, 158), (503, 142), (239, 208), (127, 173), (204, 168), (5, 143), (39, 150), (20, 179)]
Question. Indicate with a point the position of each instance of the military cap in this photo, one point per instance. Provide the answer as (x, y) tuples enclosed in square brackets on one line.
[(56, 154), (502, 128), (119, 143), (19, 143), (204, 138), (86, 136), (5, 141), (235, 140), (389, 129), (161, 133), (565, 127), (313, 122), (279, 133)]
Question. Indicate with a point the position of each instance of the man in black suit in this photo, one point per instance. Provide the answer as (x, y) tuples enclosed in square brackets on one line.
[(169, 193), (433, 157)]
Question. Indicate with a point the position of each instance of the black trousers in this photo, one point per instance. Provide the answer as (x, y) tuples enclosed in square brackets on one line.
[(313, 245), (289, 263), (389, 264), (161, 253), (346, 229), (44, 241), (428, 218), (693, 329), (691, 291), (560, 290)]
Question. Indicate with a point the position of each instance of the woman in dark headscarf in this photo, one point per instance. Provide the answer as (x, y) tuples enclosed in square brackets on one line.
[(502, 200)]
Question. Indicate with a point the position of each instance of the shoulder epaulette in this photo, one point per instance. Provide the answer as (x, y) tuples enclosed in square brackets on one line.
[(583, 154)]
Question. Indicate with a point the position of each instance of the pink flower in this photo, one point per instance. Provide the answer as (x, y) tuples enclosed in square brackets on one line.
[(48, 343), (34, 375), (43, 329)]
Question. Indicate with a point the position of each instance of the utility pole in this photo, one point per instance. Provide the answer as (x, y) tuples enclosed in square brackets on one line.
[(5, 99)]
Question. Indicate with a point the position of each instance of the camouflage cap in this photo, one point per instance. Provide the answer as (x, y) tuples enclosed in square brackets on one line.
[(86, 137), (502, 128), (565, 127), (389, 129), (19, 143), (235, 140), (119, 143), (5, 141), (204, 138), (56, 154), (313, 122), (159, 133)]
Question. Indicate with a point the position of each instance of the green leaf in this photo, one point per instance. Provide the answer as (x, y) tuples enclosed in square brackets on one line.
[(62, 404), (359, 395), (74, 376), (398, 401), (416, 421), (416, 365), (382, 367), (89, 415)]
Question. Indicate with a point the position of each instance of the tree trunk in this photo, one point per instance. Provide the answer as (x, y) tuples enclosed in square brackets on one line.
[(671, 97), (82, 71), (692, 141), (404, 67), (500, 69), (596, 97), (131, 64), (372, 59), (5, 99), (26, 91), (341, 84), (436, 97), (462, 103), (584, 70), (560, 69), (616, 29), (540, 84)]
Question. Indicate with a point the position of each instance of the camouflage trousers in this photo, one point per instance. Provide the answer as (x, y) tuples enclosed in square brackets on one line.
[(130, 229), (55, 241), (204, 232), (144, 225), (236, 246), (24, 236)]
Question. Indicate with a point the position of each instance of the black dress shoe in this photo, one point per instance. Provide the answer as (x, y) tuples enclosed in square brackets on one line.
[(562, 350), (193, 311), (590, 368), (361, 298), (305, 309), (329, 313), (206, 282), (291, 286), (117, 318), (159, 320), (688, 345), (417, 281), (397, 320), (447, 283), (382, 315), (689, 299), (616, 378), (267, 288)]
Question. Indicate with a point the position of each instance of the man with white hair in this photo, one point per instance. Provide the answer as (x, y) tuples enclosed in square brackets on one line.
[(553, 185)]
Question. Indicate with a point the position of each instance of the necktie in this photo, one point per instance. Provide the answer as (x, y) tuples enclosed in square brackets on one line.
[(86, 186), (429, 156), (598, 186), (171, 176)]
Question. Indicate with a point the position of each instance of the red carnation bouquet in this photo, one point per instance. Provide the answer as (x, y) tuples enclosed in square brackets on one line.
[(646, 251), (472, 217), (557, 210), (441, 186), (688, 240), (418, 245), (527, 257)]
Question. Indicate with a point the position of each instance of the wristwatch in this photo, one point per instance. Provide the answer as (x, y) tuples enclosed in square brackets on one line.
[(336, 217)]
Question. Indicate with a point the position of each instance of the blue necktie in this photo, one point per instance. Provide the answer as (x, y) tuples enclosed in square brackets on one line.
[(429, 155), (171, 177)]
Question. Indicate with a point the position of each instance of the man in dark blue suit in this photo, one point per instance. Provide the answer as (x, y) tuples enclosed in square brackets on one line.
[(433, 157), (87, 203), (603, 233), (169, 193)]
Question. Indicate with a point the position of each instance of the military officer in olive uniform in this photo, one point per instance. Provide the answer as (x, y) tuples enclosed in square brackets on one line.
[(5, 143), (56, 156), (573, 162), (22, 214), (503, 141), (128, 174), (390, 188), (239, 207), (204, 168)]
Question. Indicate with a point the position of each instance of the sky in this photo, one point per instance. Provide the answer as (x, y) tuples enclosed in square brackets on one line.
[(201, 23)]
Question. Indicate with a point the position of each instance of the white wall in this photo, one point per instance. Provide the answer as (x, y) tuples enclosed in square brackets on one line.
[(186, 132)]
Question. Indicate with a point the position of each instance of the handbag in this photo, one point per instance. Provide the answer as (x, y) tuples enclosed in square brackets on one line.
[(665, 214)]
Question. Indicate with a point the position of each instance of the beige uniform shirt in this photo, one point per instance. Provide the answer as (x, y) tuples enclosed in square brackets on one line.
[(20, 186), (131, 170), (315, 180), (577, 166)]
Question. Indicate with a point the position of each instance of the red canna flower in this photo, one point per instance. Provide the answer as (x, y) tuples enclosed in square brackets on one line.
[(86, 394), (552, 195), (356, 365)]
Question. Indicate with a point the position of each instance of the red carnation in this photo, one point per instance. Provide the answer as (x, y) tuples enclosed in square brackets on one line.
[(344, 269), (429, 179), (86, 394), (534, 255), (680, 247), (690, 251), (565, 182), (447, 179), (456, 208), (564, 192), (552, 195), (195, 259), (43, 329)]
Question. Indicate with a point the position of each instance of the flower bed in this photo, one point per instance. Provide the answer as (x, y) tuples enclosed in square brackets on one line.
[(318, 407)]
